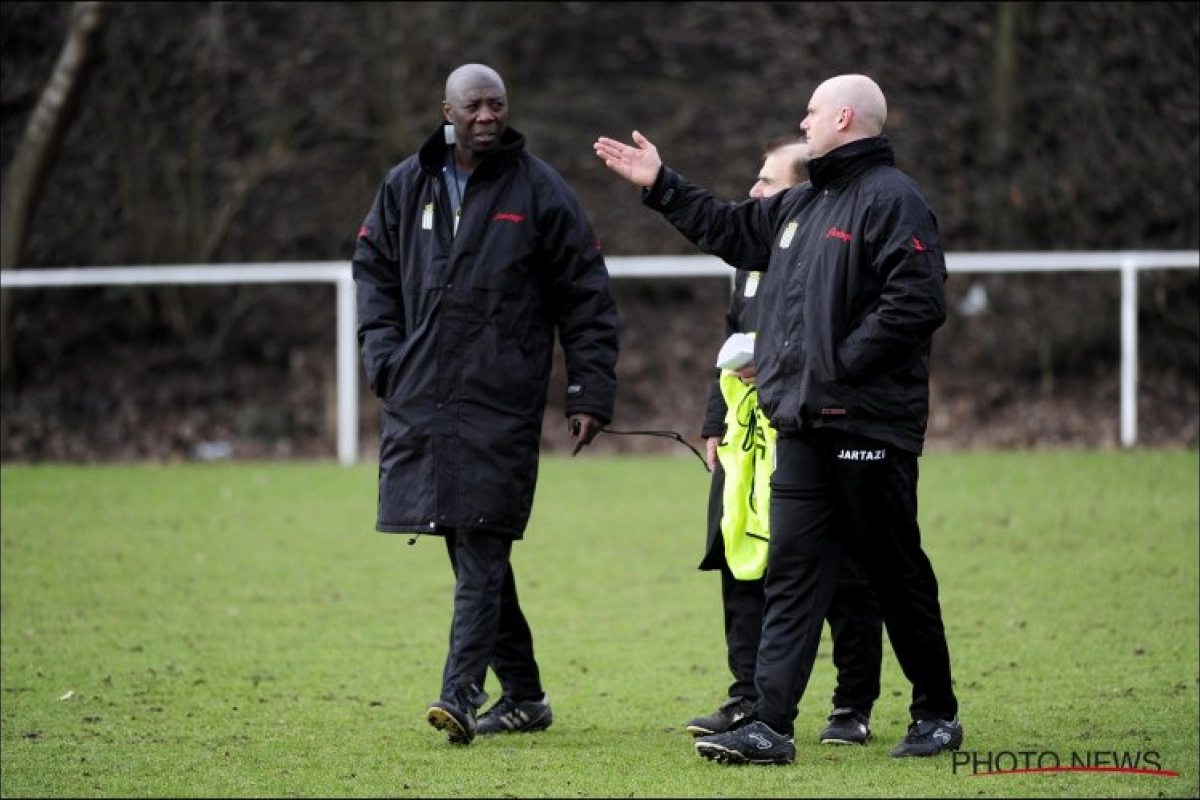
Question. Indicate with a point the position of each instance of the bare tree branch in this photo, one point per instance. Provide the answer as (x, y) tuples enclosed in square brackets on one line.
[(38, 148)]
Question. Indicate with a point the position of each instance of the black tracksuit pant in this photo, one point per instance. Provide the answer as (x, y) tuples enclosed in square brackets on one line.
[(832, 491), (856, 630), (855, 627), (488, 628)]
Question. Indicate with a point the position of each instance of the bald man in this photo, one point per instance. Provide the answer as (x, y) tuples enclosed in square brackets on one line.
[(852, 292), (474, 256), (737, 435)]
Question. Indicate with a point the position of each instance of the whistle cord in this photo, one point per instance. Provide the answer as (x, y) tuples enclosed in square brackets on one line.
[(665, 435)]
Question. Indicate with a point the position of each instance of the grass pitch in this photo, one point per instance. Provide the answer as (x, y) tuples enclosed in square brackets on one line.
[(240, 630)]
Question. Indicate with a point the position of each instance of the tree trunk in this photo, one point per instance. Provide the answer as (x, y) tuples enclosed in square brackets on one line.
[(38, 148), (1005, 80)]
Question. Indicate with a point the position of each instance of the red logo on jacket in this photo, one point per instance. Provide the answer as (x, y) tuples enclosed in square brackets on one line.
[(504, 216), (834, 233)]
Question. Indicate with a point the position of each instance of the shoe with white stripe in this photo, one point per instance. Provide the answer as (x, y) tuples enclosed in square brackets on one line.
[(510, 716)]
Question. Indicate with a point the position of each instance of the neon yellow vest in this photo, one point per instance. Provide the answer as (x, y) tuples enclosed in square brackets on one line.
[(747, 455)]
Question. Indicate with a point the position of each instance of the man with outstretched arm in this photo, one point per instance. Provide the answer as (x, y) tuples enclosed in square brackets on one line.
[(853, 290)]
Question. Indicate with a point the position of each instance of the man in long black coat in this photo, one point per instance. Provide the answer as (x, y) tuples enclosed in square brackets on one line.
[(474, 254)]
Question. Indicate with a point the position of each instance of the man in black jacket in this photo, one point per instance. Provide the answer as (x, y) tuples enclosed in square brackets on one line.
[(473, 256), (739, 529), (853, 289)]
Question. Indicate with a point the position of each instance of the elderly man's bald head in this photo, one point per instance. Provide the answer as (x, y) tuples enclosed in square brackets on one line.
[(470, 77), (476, 105)]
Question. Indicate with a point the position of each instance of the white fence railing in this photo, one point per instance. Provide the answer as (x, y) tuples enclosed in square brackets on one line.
[(1128, 263)]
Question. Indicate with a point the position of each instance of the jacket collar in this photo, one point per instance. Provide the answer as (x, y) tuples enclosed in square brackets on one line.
[(434, 151), (842, 164)]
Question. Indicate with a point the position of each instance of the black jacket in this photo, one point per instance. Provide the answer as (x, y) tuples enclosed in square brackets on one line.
[(457, 333), (741, 316), (852, 292)]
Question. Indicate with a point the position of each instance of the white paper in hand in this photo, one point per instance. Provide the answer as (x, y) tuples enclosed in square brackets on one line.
[(737, 352)]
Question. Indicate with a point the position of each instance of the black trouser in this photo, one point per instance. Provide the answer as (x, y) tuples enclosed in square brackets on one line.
[(831, 491), (855, 627), (743, 604), (488, 628)]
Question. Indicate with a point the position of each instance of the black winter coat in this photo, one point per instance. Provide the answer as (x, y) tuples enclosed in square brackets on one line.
[(457, 333), (741, 316), (854, 287)]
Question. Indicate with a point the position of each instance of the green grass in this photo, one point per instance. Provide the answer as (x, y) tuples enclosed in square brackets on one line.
[(240, 630)]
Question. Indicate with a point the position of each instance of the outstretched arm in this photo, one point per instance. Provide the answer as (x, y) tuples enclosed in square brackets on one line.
[(638, 163), (740, 233)]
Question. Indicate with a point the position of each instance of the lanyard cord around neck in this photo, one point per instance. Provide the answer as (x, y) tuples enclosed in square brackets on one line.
[(455, 186)]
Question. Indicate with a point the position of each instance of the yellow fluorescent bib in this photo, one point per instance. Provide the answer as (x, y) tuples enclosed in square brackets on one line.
[(747, 455)]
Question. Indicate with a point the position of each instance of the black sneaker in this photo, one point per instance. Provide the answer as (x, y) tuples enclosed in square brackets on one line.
[(509, 716), (928, 737), (457, 716), (752, 743), (846, 726), (731, 712)]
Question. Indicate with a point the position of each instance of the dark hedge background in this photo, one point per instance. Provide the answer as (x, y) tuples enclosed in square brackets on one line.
[(257, 132)]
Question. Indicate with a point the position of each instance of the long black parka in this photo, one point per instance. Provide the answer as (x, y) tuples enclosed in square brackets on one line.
[(457, 333)]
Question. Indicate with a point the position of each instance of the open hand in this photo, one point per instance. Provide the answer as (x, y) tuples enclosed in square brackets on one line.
[(637, 164)]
